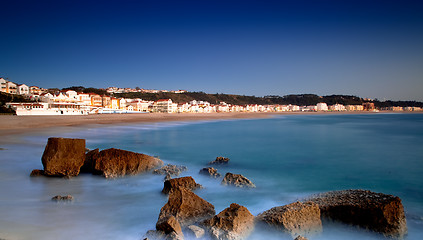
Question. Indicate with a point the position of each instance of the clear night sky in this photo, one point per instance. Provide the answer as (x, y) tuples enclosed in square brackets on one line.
[(364, 48)]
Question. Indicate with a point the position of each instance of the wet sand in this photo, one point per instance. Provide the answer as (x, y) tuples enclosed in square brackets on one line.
[(11, 124)]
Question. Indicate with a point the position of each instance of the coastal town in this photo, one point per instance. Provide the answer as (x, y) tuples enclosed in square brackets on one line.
[(70, 102)]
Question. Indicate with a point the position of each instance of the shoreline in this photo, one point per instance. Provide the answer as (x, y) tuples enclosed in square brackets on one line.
[(12, 124)]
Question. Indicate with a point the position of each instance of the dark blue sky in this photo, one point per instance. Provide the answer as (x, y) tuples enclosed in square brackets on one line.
[(364, 48)]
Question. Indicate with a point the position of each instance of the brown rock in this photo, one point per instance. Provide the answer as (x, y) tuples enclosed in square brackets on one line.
[(169, 225), (220, 160), (300, 238), (209, 171), (186, 207), (374, 211), (235, 222), (62, 198), (296, 218), (37, 173), (185, 182), (237, 180), (88, 166), (63, 156), (170, 170), (116, 162)]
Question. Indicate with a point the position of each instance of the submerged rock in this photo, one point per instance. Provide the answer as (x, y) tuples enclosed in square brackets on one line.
[(300, 238), (62, 198), (234, 222), (296, 218), (185, 182), (374, 211), (170, 170), (209, 171), (116, 162), (63, 157), (195, 231), (186, 207), (237, 180), (220, 160), (37, 173)]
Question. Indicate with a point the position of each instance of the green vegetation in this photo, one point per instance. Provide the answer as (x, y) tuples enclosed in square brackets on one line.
[(6, 97)]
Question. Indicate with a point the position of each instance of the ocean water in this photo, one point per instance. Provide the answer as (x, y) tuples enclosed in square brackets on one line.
[(287, 157)]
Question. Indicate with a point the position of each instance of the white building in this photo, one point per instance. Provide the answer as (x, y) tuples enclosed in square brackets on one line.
[(23, 89), (11, 87), (322, 107), (2, 85), (337, 107), (163, 106)]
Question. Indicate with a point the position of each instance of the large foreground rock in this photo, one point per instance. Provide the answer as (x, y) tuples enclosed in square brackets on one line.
[(296, 218), (234, 222), (374, 211), (185, 182), (186, 207), (63, 157), (116, 162), (237, 180)]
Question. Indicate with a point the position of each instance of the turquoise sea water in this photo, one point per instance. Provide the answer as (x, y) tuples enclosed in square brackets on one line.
[(287, 157)]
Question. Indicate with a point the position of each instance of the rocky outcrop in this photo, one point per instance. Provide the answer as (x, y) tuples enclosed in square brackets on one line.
[(194, 231), (234, 222), (220, 160), (116, 162), (300, 238), (209, 171), (374, 211), (185, 182), (37, 173), (170, 171), (90, 156), (186, 207), (169, 225), (62, 198), (237, 180), (63, 157), (296, 218)]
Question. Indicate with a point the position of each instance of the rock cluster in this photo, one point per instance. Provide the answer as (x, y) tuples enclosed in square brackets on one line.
[(296, 218), (67, 157), (209, 171), (237, 180), (185, 182), (374, 211), (220, 160)]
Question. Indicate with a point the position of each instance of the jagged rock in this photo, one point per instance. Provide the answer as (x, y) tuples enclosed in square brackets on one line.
[(296, 218), (88, 166), (237, 180), (186, 207), (374, 211), (62, 198), (37, 173), (220, 160), (234, 222), (63, 157), (209, 171), (155, 235), (186, 182), (170, 170), (300, 238), (195, 231), (169, 225), (116, 162)]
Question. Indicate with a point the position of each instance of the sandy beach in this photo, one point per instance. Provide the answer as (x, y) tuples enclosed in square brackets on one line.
[(12, 124)]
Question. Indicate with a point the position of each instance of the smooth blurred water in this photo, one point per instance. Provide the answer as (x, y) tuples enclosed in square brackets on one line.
[(287, 157)]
